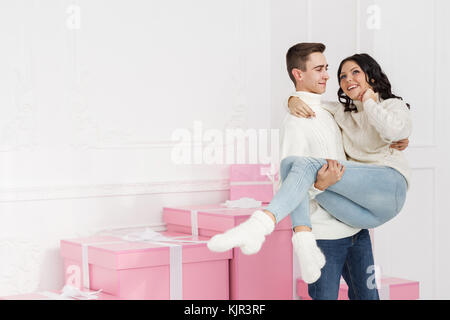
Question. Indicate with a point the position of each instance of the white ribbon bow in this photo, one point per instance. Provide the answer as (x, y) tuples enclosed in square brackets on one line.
[(244, 203), (71, 293), (146, 235)]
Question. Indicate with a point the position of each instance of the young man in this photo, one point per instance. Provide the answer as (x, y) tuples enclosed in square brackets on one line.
[(347, 250)]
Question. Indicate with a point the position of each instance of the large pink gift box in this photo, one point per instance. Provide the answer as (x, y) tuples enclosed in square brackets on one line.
[(148, 270), (252, 181), (264, 275), (391, 289)]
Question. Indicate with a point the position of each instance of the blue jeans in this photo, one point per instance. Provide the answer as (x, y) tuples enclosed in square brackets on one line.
[(366, 196), (352, 258)]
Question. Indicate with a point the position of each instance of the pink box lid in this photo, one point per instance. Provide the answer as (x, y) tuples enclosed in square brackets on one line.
[(115, 253), (214, 217)]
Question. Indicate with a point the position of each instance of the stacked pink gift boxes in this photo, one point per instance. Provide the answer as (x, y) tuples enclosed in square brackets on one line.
[(176, 264)]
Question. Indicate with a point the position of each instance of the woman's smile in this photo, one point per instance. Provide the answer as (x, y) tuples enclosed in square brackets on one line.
[(353, 80)]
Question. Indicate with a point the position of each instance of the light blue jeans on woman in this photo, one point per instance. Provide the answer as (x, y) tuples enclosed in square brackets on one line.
[(366, 196)]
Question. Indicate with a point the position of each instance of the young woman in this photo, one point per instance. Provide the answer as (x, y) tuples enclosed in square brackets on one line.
[(365, 192)]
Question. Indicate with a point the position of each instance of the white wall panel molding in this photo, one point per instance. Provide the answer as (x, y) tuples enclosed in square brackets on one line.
[(358, 26), (406, 246), (309, 22), (406, 47), (108, 190)]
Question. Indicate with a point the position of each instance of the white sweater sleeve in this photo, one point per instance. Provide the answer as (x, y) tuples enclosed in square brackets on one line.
[(391, 118)]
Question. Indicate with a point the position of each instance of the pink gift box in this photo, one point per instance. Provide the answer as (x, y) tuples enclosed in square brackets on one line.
[(142, 270), (391, 289), (251, 181), (53, 295), (265, 275)]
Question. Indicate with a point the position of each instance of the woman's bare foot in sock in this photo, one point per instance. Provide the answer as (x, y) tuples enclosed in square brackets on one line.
[(249, 235)]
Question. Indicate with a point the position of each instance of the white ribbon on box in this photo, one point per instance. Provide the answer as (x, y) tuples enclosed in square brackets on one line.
[(152, 237), (71, 293), (245, 203), (194, 223), (85, 260), (242, 203), (271, 174)]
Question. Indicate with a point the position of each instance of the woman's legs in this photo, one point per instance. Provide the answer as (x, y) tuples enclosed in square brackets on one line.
[(300, 215), (366, 196)]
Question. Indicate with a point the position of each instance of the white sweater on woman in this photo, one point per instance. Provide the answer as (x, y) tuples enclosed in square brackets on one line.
[(368, 133), (366, 137)]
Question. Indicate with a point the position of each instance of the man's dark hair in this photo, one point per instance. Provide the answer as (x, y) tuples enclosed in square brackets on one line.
[(298, 55)]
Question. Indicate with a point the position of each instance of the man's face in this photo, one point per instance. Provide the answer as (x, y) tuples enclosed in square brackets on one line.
[(315, 78)]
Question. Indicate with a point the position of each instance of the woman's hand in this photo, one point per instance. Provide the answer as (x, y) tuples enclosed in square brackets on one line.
[(400, 145), (300, 109), (369, 94), (329, 174)]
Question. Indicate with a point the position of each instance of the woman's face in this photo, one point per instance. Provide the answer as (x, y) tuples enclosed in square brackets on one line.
[(352, 80)]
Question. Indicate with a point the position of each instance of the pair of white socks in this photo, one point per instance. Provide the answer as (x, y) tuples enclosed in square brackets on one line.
[(250, 235)]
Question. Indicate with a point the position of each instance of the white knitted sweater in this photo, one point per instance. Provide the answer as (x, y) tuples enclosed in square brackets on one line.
[(368, 133)]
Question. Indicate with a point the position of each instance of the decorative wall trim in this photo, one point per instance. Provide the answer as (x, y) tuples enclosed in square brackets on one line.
[(309, 24), (163, 144), (435, 68), (358, 26), (109, 190)]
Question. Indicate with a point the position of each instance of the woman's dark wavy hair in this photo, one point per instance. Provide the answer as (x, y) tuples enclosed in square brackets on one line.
[(374, 76)]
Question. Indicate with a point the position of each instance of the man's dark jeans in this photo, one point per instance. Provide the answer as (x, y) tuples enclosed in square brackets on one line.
[(353, 259)]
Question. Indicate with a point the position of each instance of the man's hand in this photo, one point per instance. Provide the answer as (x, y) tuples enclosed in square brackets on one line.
[(329, 174), (400, 145), (300, 109)]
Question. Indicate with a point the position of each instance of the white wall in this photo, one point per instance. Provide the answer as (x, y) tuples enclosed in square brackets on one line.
[(91, 94), (414, 49), (88, 108), (410, 41)]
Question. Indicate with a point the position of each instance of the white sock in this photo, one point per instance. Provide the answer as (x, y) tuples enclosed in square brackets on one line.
[(249, 235), (310, 257)]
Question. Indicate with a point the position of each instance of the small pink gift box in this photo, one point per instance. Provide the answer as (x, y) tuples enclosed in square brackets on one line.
[(148, 269), (252, 181), (265, 275), (391, 289)]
